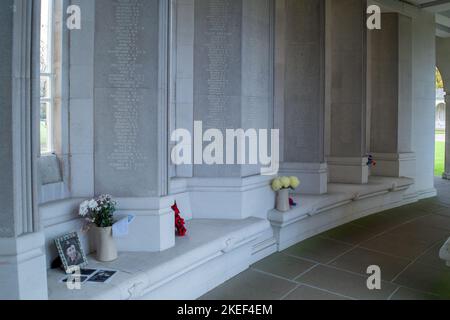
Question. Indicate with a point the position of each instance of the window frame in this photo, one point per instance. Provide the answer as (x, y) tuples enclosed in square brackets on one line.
[(58, 189), (50, 74)]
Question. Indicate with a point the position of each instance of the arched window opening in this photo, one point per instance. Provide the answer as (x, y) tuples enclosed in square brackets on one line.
[(440, 126)]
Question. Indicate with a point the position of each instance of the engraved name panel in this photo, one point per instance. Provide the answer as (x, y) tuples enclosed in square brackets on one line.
[(126, 97), (217, 77)]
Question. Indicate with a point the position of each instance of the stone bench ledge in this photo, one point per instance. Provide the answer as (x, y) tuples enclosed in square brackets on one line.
[(141, 273), (338, 195)]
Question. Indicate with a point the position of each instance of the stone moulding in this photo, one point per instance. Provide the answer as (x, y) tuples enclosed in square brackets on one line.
[(152, 230), (348, 170), (395, 164), (314, 176)]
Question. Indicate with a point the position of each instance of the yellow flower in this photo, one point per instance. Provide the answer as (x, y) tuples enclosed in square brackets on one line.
[(295, 182), (276, 185), (286, 182)]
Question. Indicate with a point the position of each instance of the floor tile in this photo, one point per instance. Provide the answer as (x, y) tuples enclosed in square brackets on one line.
[(308, 293), (251, 285), (403, 215), (432, 259), (283, 266), (427, 279), (436, 221), (432, 205), (318, 249), (350, 233), (391, 240), (444, 198), (358, 260), (379, 223), (397, 245), (409, 294), (444, 212), (418, 231), (345, 283)]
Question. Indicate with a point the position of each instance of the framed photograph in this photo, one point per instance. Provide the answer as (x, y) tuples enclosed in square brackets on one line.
[(71, 252)]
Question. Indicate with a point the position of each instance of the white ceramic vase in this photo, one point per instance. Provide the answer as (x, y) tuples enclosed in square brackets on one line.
[(106, 246), (283, 200)]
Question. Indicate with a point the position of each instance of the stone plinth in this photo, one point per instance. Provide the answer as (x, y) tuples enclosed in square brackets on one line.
[(348, 170), (23, 268)]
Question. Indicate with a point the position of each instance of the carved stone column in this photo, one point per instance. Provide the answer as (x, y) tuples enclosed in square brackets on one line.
[(300, 91), (130, 113), (391, 92), (23, 270), (347, 71), (446, 174)]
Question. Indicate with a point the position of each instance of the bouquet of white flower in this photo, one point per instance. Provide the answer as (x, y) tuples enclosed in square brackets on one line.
[(99, 211), (285, 183)]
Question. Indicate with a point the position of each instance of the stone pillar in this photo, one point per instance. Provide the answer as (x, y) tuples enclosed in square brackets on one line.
[(347, 68), (7, 227), (130, 114), (391, 97), (23, 272), (232, 72), (446, 174), (229, 45), (300, 91)]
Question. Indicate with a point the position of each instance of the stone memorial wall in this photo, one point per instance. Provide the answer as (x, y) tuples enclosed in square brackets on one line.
[(126, 97), (304, 81), (232, 70), (217, 61)]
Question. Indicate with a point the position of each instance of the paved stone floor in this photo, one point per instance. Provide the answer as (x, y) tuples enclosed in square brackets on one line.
[(404, 242)]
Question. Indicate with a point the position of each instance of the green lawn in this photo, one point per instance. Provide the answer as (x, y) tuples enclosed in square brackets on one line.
[(439, 158)]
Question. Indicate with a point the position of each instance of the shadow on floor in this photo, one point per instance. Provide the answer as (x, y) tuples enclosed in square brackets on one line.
[(403, 242)]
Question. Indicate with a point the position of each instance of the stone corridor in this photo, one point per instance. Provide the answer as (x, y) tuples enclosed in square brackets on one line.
[(163, 102), (404, 242)]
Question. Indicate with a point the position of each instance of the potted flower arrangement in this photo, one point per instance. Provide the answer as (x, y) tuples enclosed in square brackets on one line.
[(99, 213), (282, 186)]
